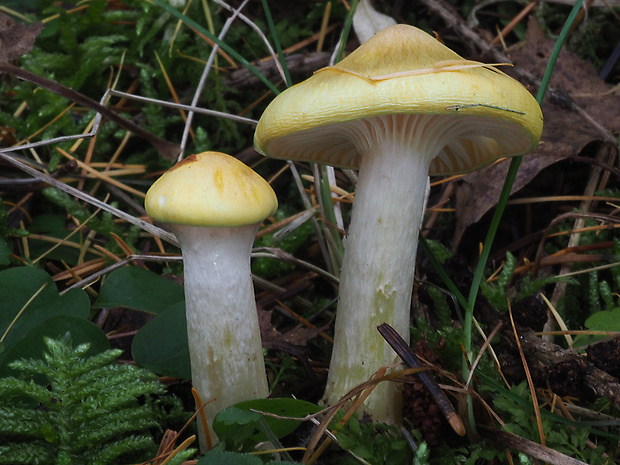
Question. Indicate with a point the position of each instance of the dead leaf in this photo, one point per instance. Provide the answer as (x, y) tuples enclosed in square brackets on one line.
[(16, 39), (272, 338), (565, 133)]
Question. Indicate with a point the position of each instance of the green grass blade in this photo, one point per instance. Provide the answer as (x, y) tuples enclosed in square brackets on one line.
[(346, 29), (330, 215), (224, 46), (325, 188), (510, 178), (503, 199), (442, 273), (276, 41)]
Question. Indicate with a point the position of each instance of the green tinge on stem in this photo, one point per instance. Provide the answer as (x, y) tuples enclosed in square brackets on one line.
[(224, 46), (503, 198)]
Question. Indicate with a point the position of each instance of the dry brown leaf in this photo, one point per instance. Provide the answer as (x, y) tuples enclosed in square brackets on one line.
[(16, 39), (271, 337), (565, 133)]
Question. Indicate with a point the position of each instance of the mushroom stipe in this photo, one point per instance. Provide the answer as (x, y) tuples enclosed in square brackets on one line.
[(214, 205), (398, 108)]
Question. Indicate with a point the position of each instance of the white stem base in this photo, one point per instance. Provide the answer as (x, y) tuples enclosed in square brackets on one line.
[(222, 322), (380, 250)]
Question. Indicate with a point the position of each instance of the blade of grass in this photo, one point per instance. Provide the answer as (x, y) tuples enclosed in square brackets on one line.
[(530, 382), (258, 31), (346, 28), (326, 202), (442, 273), (324, 191), (503, 199), (180, 106), (205, 73), (166, 148), (169, 237), (224, 46), (276, 41), (510, 178)]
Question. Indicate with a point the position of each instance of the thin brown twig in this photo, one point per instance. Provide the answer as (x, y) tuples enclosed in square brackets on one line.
[(528, 447), (513, 23), (530, 382), (403, 350), (167, 149)]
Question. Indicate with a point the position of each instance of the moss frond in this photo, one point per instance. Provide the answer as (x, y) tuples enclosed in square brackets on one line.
[(91, 410)]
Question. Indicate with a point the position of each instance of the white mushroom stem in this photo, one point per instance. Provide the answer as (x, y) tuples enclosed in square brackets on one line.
[(222, 322), (380, 250)]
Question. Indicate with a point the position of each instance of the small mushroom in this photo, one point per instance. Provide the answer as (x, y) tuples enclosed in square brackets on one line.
[(214, 205), (399, 107)]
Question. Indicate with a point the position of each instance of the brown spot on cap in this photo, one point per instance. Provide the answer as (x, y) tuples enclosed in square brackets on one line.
[(191, 159)]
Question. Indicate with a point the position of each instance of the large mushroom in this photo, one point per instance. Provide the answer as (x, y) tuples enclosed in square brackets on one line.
[(399, 107), (214, 205)]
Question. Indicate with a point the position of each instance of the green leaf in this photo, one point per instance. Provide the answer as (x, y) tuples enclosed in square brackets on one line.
[(32, 345), (17, 287), (237, 426), (139, 289), (221, 457), (161, 345), (240, 422), (604, 320), (5, 253), (51, 224)]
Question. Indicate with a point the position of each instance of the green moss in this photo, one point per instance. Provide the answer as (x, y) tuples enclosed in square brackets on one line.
[(92, 410)]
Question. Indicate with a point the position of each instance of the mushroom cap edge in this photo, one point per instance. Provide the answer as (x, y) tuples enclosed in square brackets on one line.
[(210, 189)]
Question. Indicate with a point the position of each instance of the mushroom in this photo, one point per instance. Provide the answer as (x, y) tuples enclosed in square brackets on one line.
[(214, 205), (399, 107)]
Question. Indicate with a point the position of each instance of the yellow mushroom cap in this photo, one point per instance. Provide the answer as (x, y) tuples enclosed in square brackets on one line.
[(402, 70), (210, 189)]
